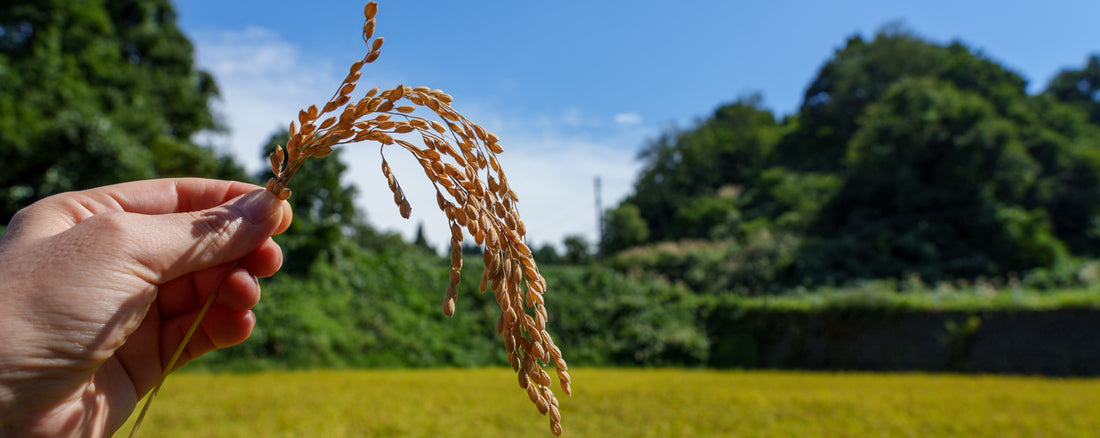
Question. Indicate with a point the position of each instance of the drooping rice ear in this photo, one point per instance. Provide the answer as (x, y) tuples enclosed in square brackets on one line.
[(460, 159)]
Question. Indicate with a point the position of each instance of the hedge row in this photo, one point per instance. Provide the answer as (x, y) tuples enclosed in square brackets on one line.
[(365, 310), (1059, 342)]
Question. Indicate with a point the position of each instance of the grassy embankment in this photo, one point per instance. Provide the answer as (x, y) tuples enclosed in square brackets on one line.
[(623, 402)]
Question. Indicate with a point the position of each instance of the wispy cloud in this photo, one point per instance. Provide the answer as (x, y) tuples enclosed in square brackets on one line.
[(551, 161), (628, 119), (264, 81)]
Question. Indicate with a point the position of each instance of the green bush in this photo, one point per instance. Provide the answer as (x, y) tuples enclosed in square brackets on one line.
[(601, 317), (752, 266), (383, 308)]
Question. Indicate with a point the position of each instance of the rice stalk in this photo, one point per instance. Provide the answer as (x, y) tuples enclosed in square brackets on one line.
[(179, 351), (459, 157)]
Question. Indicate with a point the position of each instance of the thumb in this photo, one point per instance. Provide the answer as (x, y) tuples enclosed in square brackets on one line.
[(180, 243)]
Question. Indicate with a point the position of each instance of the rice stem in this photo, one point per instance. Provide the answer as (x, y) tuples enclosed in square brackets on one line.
[(179, 350)]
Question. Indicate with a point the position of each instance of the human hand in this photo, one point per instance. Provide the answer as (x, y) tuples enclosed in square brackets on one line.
[(98, 288)]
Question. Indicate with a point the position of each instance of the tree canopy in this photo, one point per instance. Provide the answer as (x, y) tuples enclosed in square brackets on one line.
[(906, 157), (97, 92)]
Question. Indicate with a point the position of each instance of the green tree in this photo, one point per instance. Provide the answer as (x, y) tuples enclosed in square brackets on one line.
[(862, 71), (936, 184), (728, 150), (624, 229), (1059, 136), (422, 239), (1079, 87), (788, 201), (546, 255), (577, 251), (98, 92), (904, 157)]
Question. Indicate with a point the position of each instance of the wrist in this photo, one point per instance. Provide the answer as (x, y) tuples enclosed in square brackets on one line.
[(80, 415)]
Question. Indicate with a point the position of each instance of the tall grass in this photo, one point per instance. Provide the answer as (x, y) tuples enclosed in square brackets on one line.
[(626, 403)]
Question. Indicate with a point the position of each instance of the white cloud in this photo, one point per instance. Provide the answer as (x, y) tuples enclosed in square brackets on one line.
[(551, 161), (628, 119), (264, 81), (552, 173), (575, 118)]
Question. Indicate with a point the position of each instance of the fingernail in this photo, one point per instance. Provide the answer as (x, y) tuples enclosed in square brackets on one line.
[(257, 206)]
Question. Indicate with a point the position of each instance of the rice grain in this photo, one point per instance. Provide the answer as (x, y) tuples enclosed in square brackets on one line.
[(460, 159)]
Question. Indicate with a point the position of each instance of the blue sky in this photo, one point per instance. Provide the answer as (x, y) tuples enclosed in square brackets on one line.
[(576, 88)]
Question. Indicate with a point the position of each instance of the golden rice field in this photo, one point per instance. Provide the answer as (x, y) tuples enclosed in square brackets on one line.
[(622, 403)]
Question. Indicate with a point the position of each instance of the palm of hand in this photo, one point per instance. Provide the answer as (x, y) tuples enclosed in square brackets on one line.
[(106, 299)]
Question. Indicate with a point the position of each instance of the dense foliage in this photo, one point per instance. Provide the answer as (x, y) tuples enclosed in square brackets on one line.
[(97, 92), (906, 157)]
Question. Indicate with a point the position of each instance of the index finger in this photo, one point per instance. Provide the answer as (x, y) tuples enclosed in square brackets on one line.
[(162, 196), (59, 212), (157, 196), (174, 195)]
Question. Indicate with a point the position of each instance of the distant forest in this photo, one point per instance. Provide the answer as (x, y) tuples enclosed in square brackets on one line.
[(906, 158)]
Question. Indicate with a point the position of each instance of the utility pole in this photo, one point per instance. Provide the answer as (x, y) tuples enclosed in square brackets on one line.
[(599, 219)]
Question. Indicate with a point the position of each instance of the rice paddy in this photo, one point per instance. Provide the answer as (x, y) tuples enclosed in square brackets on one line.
[(623, 403)]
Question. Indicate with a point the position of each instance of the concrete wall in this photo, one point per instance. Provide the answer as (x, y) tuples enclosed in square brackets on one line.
[(1063, 342)]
